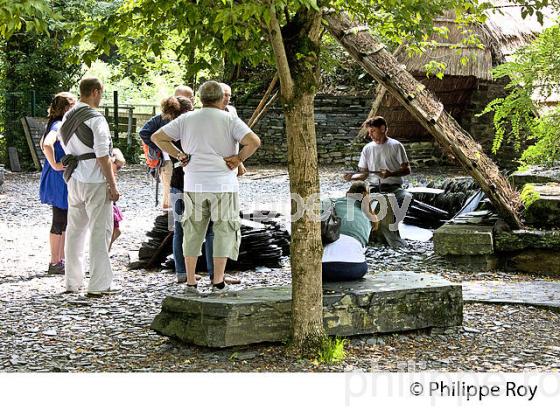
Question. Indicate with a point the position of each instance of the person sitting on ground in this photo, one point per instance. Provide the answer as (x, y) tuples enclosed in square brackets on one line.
[(118, 162), (383, 162), (344, 259), (52, 188)]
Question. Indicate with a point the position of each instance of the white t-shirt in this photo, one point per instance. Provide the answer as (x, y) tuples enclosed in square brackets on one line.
[(389, 155), (89, 171), (231, 109), (208, 135), (344, 249)]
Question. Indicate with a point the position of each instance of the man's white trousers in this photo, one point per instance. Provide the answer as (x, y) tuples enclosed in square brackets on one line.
[(89, 210)]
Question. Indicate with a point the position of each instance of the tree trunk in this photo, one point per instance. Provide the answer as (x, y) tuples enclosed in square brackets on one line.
[(429, 111), (306, 248), (296, 50)]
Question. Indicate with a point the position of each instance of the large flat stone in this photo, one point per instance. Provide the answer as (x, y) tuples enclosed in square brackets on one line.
[(381, 303), (544, 211), (536, 175), (459, 239), (535, 261), (527, 239)]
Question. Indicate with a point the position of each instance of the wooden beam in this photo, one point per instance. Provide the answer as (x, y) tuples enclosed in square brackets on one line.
[(380, 92), (263, 100), (427, 109)]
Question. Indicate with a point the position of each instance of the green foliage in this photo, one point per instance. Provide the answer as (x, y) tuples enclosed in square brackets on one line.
[(24, 15), (206, 36), (546, 134), (533, 73), (332, 350), (131, 153), (30, 62), (529, 195)]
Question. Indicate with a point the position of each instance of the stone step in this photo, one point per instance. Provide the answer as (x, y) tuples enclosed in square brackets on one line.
[(527, 239), (544, 210), (381, 303), (535, 175), (463, 239)]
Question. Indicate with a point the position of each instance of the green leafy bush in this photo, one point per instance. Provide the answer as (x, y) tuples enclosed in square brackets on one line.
[(534, 74)]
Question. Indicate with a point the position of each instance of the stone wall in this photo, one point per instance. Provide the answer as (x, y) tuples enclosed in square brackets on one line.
[(338, 120), (482, 128)]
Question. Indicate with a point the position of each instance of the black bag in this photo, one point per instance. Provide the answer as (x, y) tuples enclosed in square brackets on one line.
[(330, 226)]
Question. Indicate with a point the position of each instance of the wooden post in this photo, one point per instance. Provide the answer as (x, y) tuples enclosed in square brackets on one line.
[(129, 127), (428, 111), (263, 110), (263, 100), (14, 159), (116, 113)]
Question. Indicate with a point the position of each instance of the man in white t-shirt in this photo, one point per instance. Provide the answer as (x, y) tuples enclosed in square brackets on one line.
[(227, 96), (383, 161), (185, 91), (211, 137), (92, 189)]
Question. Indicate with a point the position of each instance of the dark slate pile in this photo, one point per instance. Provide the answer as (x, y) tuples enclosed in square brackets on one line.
[(264, 241), (430, 210)]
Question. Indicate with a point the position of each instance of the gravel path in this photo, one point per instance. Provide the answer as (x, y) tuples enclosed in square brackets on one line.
[(42, 330)]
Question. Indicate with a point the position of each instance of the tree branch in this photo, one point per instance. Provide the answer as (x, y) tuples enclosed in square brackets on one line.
[(277, 42)]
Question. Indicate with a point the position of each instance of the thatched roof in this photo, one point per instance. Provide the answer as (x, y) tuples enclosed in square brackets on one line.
[(504, 31)]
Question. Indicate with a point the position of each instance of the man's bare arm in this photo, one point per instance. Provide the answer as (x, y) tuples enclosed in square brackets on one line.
[(250, 142), (107, 170), (165, 143), (401, 172)]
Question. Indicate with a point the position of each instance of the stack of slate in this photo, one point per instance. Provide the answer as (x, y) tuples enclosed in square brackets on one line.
[(264, 241), (456, 191), (439, 202)]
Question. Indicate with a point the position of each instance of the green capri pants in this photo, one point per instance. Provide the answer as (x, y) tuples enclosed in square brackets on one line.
[(222, 208)]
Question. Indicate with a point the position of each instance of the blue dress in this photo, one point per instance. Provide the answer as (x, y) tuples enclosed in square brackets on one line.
[(52, 189)]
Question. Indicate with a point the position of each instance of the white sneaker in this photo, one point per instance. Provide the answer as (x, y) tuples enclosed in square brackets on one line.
[(99, 293)]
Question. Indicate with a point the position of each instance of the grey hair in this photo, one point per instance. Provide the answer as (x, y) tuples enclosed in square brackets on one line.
[(210, 93)]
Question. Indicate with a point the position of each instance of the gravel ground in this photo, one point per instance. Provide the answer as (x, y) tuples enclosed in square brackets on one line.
[(42, 330)]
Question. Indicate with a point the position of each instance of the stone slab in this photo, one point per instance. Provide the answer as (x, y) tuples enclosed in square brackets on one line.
[(543, 261), (381, 303), (545, 211), (538, 293), (536, 175), (459, 239), (527, 239)]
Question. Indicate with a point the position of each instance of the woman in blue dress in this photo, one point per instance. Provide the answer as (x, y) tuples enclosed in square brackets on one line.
[(52, 189)]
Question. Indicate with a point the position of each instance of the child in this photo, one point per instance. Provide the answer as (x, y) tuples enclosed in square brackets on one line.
[(118, 162)]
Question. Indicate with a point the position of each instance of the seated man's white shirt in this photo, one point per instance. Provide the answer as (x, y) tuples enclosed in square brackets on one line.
[(208, 135), (344, 249), (88, 170), (389, 155)]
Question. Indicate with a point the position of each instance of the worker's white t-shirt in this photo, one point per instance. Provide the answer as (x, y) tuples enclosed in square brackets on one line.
[(208, 135), (389, 155)]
